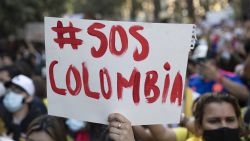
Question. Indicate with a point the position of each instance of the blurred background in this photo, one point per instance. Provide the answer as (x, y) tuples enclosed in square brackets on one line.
[(17, 17), (219, 62)]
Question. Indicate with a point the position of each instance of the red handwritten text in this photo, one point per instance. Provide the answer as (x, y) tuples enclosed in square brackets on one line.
[(60, 30), (150, 84), (94, 30)]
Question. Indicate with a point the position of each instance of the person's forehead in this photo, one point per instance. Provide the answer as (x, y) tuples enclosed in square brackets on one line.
[(17, 88), (40, 136), (13, 86), (4, 73), (219, 109)]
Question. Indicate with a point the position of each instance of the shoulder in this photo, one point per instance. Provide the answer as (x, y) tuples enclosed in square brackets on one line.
[(181, 133), (4, 114), (38, 106), (194, 139)]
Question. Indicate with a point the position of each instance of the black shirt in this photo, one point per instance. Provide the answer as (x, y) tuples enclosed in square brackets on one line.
[(18, 129)]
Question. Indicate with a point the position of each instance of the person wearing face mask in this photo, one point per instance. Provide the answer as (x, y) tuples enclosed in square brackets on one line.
[(217, 118), (17, 107), (78, 130), (246, 79)]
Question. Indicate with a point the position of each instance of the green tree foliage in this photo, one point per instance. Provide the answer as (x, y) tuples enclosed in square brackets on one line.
[(54, 8), (14, 14), (245, 9), (104, 8), (157, 9), (136, 6)]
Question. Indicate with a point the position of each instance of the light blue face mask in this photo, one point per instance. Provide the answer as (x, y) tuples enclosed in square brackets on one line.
[(75, 125), (226, 55), (13, 101)]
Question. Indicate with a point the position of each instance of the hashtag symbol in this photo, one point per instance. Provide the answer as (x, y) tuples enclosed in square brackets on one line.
[(60, 30)]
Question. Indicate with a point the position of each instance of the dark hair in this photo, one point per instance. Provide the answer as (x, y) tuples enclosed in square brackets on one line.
[(246, 69), (49, 124), (211, 98), (247, 46), (24, 67), (12, 70), (40, 86)]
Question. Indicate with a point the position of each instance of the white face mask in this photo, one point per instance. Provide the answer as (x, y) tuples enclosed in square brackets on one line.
[(2, 89), (13, 101), (75, 125)]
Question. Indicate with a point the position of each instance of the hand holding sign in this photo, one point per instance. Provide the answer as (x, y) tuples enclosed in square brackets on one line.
[(120, 128)]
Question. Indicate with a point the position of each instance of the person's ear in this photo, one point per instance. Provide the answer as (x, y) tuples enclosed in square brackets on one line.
[(240, 122), (29, 99), (198, 130)]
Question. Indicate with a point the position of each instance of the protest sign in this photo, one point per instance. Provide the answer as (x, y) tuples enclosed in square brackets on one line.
[(100, 67)]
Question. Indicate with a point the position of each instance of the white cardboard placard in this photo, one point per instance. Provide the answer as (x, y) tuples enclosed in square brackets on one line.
[(72, 94)]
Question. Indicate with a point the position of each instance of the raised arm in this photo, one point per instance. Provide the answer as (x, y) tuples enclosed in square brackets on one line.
[(211, 72), (142, 134), (161, 133)]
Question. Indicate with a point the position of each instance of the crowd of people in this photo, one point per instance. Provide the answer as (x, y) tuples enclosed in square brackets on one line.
[(216, 97)]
